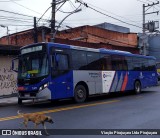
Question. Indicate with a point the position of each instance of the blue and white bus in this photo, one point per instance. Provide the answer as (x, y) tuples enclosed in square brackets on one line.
[(56, 71)]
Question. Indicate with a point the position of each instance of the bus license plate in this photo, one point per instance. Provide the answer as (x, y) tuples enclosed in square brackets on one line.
[(27, 95)]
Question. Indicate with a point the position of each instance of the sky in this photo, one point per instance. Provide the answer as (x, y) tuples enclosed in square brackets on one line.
[(127, 13)]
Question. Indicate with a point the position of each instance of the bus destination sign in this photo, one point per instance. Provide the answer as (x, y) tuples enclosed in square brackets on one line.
[(31, 49)]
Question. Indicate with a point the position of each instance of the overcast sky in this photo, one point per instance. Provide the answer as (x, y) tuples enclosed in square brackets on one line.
[(129, 11)]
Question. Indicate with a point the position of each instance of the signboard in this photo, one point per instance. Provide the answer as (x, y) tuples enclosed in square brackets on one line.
[(31, 49)]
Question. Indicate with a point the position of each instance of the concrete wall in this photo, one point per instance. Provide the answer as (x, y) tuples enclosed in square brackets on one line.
[(8, 78)]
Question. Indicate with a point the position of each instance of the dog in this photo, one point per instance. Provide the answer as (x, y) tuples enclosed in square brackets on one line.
[(36, 119)]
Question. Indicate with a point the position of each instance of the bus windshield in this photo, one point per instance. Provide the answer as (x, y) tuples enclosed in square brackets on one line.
[(33, 65)]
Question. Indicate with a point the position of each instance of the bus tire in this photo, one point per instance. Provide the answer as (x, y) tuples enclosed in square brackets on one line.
[(137, 87), (80, 94), (19, 101)]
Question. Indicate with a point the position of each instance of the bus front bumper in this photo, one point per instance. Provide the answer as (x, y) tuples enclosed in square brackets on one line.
[(44, 94)]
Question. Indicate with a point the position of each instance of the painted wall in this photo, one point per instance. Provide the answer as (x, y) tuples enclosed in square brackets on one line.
[(8, 78)]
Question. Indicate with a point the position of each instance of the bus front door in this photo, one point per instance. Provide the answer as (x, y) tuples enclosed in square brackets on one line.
[(62, 77)]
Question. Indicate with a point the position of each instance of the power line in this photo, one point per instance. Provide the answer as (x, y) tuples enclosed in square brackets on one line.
[(142, 1), (149, 1), (72, 5), (20, 14), (12, 19), (85, 4), (9, 17), (17, 25), (111, 12), (7, 0), (43, 14), (24, 7), (16, 13)]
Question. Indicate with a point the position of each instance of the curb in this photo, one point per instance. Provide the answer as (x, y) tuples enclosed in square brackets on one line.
[(8, 101)]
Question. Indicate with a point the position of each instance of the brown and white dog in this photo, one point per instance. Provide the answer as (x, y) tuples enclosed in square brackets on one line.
[(36, 119)]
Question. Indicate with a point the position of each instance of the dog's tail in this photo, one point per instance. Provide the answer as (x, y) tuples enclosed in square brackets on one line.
[(19, 113)]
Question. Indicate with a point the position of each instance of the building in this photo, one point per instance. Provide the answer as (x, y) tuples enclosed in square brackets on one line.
[(26, 37), (134, 50), (92, 34), (113, 27), (99, 37), (154, 46), (88, 34)]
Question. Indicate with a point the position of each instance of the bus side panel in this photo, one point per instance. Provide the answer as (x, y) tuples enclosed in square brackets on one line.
[(119, 82), (132, 77), (151, 79), (102, 81), (62, 86), (146, 78), (93, 80)]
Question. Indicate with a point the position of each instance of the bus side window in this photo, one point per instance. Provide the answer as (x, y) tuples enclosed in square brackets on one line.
[(60, 64), (106, 62), (79, 60), (119, 63), (129, 63), (151, 65), (61, 61), (137, 65)]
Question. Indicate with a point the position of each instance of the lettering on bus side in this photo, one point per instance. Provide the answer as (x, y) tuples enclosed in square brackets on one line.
[(95, 74)]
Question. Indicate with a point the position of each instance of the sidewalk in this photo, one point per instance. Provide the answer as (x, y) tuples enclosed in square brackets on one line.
[(14, 101), (8, 101)]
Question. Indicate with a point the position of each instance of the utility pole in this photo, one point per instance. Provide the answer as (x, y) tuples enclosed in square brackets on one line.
[(7, 35), (143, 30), (143, 27), (144, 12), (35, 31), (53, 19)]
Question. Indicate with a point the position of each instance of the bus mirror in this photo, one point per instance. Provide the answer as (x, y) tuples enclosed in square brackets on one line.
[(15, 64)]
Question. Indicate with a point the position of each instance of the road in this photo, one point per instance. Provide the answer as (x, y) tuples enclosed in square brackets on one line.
[(115, 111)]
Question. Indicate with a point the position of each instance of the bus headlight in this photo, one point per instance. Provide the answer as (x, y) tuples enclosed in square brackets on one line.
[(43, 86)]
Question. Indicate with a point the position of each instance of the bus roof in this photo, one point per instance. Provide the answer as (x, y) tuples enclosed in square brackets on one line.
[(101, 50)]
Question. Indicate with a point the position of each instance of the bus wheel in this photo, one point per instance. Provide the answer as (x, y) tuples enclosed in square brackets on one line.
[(137, 87), (80, 94), (19, 101)]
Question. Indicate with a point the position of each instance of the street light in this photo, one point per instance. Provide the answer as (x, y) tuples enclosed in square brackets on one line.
[(7, 32)]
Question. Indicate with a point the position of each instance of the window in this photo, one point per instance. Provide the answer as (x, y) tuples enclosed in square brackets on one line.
[(62, 62), (137, 66), (106, 62), (33, 65), (129, 63), (93, 61), (151, 64), (119, 62), (144, 64), (79, 60)]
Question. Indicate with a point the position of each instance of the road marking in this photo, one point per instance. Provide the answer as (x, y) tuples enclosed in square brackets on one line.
[(61, 109), (137, 97)]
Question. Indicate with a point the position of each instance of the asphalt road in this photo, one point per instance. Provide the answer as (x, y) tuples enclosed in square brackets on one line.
[(115, 111)]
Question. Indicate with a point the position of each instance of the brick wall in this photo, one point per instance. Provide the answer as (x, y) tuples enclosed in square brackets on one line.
[(97, 35)]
